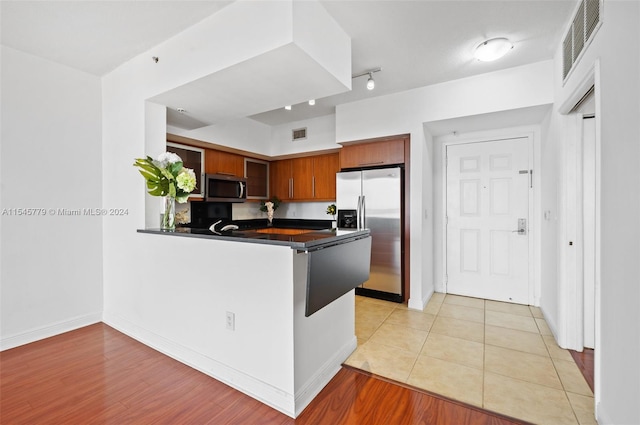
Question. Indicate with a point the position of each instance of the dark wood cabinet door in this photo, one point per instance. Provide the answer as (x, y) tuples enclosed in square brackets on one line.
[(280, 179), (220, 162), (257, 174), (302, 177), (325, 168), (387, 152)]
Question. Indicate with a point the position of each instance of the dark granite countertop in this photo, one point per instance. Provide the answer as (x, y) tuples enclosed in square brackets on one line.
[(308, 240)]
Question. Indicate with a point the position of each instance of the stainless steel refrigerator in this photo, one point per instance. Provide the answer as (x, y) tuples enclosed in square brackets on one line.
[(373, 199)]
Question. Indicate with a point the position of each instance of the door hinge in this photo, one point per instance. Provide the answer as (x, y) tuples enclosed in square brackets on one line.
[(531, 179)]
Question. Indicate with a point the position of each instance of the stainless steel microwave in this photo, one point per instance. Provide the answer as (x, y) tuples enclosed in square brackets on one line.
[(225, 188)]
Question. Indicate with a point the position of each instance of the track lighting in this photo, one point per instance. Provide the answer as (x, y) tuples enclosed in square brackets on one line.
[(288, 107), (371, 84), (312, 102)]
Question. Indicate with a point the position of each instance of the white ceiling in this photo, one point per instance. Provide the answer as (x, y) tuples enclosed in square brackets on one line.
[(416, 43)]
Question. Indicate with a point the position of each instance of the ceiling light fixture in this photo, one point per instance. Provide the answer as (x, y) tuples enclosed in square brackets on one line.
[(312, 102), (493, 49), (371, 84), (288, 107)]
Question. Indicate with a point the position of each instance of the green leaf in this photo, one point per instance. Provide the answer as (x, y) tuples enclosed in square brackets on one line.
[(175, 168)]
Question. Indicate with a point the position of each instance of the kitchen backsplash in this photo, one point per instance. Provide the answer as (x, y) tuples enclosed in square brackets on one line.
[(251, 210)]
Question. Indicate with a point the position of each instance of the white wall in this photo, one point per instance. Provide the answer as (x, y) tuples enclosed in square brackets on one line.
[(51, 159), (617, 48), (549, 191), (244, 134), (321, 135), (402, 113)]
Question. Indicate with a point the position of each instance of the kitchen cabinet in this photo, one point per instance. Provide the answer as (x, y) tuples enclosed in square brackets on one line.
[(311, 178), (226, 163), (257, 175), (193, 158), (325, 168), (372, 154)]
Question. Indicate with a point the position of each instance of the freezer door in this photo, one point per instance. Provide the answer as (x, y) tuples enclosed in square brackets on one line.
[(348, 189), (382, 190)]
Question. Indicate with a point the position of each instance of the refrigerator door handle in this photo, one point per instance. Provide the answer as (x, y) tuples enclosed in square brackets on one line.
[(358, 212), (363, 213)]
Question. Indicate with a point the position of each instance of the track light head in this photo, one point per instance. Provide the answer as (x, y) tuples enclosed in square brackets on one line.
[(371, 84)]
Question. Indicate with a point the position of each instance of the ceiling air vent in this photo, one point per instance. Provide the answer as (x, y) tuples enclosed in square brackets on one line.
[(298, 134), (580, 32)]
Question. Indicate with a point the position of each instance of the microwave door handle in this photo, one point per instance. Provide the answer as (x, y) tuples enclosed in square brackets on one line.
[(241, 190)]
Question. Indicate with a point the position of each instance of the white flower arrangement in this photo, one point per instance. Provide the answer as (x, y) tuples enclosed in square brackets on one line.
[(165, 176)]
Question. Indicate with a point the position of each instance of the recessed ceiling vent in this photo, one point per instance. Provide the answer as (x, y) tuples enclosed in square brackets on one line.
[(580, 33), (299, 134)]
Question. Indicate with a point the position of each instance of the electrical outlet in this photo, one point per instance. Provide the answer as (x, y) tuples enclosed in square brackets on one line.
[(231, 321)]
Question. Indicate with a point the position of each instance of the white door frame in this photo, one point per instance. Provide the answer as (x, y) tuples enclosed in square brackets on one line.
[(532, 136), (571, 318)]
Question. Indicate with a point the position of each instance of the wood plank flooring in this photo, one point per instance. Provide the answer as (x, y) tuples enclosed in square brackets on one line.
[(585, 361), (97, 375)]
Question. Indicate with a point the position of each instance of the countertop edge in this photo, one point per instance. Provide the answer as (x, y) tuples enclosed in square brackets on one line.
[(324, 239)]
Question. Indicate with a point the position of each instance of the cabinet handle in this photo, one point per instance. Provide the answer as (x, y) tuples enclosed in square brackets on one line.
[(313, 186), (225, 174), (371, 163), (291, 186)]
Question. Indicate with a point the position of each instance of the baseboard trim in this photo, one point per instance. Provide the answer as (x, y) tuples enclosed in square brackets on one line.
[(261, 391), (420, 304), (320, 379), (48, 331)]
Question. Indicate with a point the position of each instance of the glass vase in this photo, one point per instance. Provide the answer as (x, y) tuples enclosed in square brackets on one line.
[(169, 215)]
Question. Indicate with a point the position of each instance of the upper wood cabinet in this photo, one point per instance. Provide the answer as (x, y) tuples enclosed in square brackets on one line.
[(325, 168), (311, 178), (220, 162), (257, 175), (193, 158), (386, 152)]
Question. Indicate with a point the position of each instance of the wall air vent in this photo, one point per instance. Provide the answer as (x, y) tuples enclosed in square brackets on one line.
[(583, 27), (298, 134)]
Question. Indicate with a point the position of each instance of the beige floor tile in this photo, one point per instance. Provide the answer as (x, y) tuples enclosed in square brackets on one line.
[(466, 301), (514, 339), (536, 312), (437, 297), (365, 329), (448, 379), (554, 350), (583, 407), (407, 339), (432, 308), (372, 315), (383, 360), (517, 309), (412, 319), (455, 350), (572, 379), (543, 328), (458, 328), (511, 321), (462, 312), (516, 364), (528, 401)]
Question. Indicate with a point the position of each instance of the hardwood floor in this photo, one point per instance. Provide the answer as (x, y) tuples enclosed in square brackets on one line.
[(585, 361), (97, 375)]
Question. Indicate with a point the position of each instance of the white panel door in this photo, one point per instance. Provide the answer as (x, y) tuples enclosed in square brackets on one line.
[(487, 203)]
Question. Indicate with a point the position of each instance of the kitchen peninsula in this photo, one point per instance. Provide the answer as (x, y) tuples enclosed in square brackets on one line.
[(269, 314)]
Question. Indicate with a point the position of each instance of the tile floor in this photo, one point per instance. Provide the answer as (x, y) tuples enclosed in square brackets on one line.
[(499, 356)]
